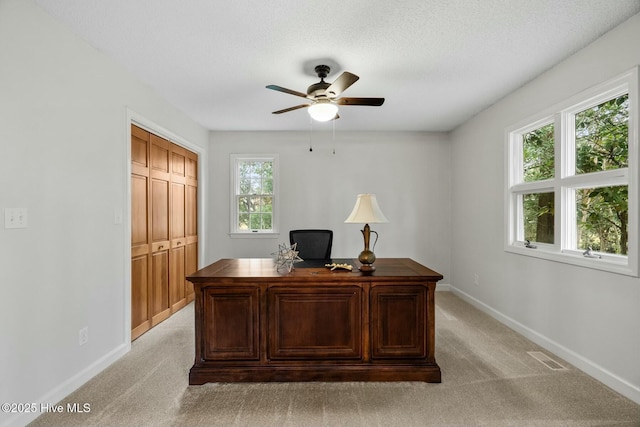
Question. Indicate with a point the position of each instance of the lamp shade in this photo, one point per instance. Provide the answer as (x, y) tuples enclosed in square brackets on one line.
[(366, 211), (323, 111)]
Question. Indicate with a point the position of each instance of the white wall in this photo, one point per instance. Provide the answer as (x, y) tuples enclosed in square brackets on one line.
[(63, 139), (589, 317), (408, 171)]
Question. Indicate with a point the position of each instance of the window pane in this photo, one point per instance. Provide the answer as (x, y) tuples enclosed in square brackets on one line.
[(255, 222), (243, 221), (255, 213), (602, 219), (538, 154), (245, 185), (267, 204), (266, 170), (256, 186), (256, 177), (266, 221), (243, 204), (602, 134), (267, 185), (254, 204), (538, 210), (251, 168), (267, 178)]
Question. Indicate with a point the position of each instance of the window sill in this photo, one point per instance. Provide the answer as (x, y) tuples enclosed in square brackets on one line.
[(612, 264), (254, 235)]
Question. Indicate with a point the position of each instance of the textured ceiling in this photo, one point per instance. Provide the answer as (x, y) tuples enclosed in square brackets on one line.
[(437, 62)]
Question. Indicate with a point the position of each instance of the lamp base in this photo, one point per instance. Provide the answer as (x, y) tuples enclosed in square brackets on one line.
[(367, 258), (367, 268)]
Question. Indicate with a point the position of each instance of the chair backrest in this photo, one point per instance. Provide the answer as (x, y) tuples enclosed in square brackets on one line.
[(312, 244)]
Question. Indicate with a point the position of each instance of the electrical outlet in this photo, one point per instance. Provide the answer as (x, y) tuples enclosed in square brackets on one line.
[(83, 335), (476, 279)]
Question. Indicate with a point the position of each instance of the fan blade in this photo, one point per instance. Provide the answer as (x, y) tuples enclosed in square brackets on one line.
[(285, 90), (341, 84), (376, 102), (297, 107)]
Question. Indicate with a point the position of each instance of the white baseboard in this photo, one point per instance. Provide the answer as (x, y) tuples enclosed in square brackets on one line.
[(70, 385), (611, 380), (443, 287)]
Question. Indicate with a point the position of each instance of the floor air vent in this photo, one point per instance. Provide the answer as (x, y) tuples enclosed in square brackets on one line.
[(547, 361)]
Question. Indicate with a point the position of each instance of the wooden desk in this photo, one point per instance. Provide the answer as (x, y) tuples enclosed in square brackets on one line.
[(253, 323)]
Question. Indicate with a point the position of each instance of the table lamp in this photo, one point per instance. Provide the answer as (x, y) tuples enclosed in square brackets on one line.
[(366, 211)]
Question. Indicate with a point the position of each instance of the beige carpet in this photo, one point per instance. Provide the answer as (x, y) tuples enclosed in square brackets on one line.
[(488, 379)]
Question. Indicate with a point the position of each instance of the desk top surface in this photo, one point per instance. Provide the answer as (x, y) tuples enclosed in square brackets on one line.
[(263, 269)]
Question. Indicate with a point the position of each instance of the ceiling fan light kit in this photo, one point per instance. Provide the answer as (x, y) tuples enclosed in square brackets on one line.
[(324, 96), (323, 110)]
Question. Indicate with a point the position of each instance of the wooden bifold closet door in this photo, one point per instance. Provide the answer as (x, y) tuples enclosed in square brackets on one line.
[(164, 238)]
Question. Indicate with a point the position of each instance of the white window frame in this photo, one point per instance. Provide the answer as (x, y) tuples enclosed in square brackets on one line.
[(565, 182), (235, 232)]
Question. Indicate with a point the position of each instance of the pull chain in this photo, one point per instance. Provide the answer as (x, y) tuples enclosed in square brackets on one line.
[(310, 134), (334, 136)]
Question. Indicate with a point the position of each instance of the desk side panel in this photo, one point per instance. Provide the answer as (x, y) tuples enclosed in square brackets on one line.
[(231, 323), (399, 322)]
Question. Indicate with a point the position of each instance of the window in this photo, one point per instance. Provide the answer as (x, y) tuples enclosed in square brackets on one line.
[(572, 180), (254, 194)]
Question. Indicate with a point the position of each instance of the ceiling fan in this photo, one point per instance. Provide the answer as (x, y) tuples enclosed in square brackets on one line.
[(324, 96)]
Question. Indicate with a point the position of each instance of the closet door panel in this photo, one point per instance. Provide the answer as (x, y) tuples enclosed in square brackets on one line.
[(140, 245), (192, 169), (177, 214), (160, 308), (139, 151), (177, 230), (191, 266), (177, 278), (160, 157), (140, 318), (139, 215), (160, 211), (191, 220), (191, 208), (178, 164)]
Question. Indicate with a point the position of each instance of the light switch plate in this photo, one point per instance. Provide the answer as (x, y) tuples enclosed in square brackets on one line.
[(15, 218)]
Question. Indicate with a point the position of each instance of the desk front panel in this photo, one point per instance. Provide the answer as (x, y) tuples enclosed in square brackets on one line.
[(315, 322)]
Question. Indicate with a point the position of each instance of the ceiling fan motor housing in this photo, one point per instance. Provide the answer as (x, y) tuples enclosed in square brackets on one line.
[(319, 89)]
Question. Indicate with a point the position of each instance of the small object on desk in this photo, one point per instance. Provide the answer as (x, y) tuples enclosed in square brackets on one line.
[(335, 266), (286, 257)]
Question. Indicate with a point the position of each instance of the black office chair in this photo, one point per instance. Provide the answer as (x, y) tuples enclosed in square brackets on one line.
[(312, 244)]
